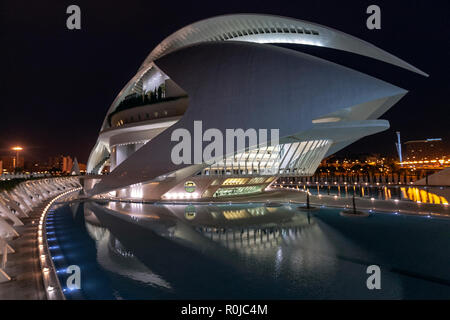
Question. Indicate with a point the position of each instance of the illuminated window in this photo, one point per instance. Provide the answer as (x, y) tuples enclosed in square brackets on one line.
[(234, 181), (224, 192), (257, 180), (235, 214)]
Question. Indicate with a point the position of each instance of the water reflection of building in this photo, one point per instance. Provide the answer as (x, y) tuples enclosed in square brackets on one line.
[(228, 216), (114, 257), (61, 162), (195, 265), (251, 227), (253, 240)]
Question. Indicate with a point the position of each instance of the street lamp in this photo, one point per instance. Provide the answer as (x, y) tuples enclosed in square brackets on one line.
[(17, 149)]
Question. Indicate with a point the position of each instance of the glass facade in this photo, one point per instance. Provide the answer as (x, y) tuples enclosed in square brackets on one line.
[(299, 158), (225, 192)]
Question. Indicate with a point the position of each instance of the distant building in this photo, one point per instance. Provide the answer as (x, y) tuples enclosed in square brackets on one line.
[(30, 166), (62, 163), (429, 149), (9, 163), (82, 167), (54, 163), (67, 164)]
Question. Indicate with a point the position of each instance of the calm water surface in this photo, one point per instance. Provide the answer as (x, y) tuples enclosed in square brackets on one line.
[(434, 195), (142, 251)]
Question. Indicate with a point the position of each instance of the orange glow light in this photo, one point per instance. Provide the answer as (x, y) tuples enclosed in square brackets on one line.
[(17, 148)]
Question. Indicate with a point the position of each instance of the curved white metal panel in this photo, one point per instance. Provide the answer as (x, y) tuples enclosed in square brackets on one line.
[(260, 28), (271, 29)]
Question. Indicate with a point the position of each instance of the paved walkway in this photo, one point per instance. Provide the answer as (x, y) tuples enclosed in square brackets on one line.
[(23, 265)]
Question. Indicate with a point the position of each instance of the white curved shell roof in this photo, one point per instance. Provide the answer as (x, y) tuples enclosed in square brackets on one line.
[(271, 29), (260, 28)]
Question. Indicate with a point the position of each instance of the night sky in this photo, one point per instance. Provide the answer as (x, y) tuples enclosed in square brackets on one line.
[(57, 84)]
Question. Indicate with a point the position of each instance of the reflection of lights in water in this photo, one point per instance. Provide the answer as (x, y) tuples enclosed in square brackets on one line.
[(278, 259), (235, 214), (124, 253), (189, 215), (215, 215), (387, 193), (131, 209), (253, 240), (259, 211), (189, 212), (404, 194), (422, 196), (243, 213)]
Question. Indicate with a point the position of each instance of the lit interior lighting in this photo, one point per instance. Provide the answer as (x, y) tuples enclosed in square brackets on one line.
[(326, 120)]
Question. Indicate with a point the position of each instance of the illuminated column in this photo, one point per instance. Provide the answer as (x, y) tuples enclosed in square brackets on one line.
[(399, 148)]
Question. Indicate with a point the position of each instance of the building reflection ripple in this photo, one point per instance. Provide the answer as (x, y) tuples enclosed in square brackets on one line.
[(252, 251)]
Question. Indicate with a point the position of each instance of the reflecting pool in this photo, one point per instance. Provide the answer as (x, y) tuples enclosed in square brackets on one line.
[(433, 195), (246, 251)]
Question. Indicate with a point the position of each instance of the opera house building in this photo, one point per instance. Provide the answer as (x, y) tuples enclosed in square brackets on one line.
[(231, 72)]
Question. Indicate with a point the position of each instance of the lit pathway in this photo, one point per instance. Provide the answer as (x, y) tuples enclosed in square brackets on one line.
[(23, 265)]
